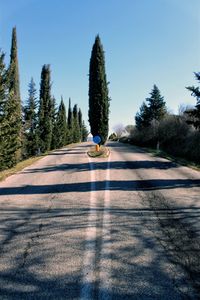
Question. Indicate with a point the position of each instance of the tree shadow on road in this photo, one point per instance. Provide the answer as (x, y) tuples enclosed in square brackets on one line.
[(48, 240), (114, 185), (115, 165)]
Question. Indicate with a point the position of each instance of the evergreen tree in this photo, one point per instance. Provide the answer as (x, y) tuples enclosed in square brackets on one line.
[(8, 121), (194, 114), (30, 119), (98, 93), (84, 132), (142, 118), (10, 132), (53, 117), (69, 117), (157, 107), (80, 122), (69, 124), (76, 127), (155, 110), (45, 110), (14, 91), (3, 99), (61, 126)]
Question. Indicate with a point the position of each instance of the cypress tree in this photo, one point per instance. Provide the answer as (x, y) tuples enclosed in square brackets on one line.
[(3, 99), (76, 128), (14, 91), (61, 126), (194, 114), (98, 93), (69, 117), (45, 110), (69, 124), (53, 118), (80, 122), (30, 119), (84, 132)]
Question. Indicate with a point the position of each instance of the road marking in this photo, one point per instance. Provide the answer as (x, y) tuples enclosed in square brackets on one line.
[(89, 256), (105, 258), (88, 283)]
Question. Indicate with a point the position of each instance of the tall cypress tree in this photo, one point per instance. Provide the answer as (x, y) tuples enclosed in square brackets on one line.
[(69, 117), (14, 91), (53, 118), (76, 127), (45, 110), (98, 93), (30, 121), (69, 138), (80, 122), (61, 125), (3, 114)]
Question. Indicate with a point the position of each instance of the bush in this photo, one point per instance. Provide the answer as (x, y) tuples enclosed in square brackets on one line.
[(175, 137)]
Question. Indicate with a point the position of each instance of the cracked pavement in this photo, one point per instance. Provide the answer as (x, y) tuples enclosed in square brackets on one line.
[(123, 227)]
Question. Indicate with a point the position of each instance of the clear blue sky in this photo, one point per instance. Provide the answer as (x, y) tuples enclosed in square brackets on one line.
[(145, 42)]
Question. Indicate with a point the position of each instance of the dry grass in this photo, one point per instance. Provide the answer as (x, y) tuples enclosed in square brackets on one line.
[(27, 162), (20, 166)]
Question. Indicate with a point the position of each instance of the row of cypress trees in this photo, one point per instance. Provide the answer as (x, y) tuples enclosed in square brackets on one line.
[(10, 109), (39, 125)]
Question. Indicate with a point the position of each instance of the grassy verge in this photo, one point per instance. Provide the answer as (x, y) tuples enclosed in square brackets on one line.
[(178, 160), (20, 166), (161, 153), (25, 163), (103, 152)]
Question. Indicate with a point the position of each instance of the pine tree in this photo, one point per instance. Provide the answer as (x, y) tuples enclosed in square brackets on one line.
[(157, 107), (61, 126), (194, 114), (45, 110), (30, 121), (76, 127), (98, 93), (153, 111), (14, 91), (142, 118)]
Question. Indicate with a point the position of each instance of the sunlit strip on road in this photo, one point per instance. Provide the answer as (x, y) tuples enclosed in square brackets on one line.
[(88, 282)]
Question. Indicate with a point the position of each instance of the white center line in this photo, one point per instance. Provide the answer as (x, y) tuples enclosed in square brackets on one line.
[(89, 256), (105, 258)]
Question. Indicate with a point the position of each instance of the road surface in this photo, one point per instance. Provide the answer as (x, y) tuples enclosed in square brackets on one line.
[(123, 227)]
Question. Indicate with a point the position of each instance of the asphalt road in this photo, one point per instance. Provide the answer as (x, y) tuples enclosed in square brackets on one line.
[(123, 227)]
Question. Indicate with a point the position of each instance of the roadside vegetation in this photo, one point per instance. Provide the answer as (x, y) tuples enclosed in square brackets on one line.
[(156, 128)]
